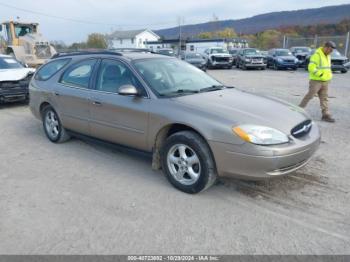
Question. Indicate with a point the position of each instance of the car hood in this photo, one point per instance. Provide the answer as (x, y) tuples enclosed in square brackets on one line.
[(339, 58), (195, 60), (286, 57), (302, 54), (240, 107), (15, 74), (221, 55)]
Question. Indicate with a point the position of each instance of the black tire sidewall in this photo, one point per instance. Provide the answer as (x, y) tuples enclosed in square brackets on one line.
[(203, 179)]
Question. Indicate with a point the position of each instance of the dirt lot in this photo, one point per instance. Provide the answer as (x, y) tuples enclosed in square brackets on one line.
[(86, 198)]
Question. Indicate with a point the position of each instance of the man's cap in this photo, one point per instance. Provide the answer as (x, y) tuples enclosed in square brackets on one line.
[(330, 44)]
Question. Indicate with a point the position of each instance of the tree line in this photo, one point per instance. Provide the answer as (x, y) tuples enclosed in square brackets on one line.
[(274, 37)]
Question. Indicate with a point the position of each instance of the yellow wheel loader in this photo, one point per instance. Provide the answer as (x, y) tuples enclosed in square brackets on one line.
[(25, 43)]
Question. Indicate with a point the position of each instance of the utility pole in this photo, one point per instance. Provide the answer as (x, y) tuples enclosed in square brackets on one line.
[(181, 21), (347, 44)]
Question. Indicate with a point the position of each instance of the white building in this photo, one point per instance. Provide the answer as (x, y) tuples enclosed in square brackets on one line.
[(131, 38), (197, 45), (200, 45)]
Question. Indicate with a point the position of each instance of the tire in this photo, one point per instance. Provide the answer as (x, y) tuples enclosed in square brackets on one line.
[(53, 128), (344, 71), (275, 66), (188, 177), (237, 64)]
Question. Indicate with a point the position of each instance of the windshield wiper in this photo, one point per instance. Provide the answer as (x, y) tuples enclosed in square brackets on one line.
[(181, 91), (212, 88)]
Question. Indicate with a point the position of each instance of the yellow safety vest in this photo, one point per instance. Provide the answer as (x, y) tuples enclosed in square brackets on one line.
[(320, 66)]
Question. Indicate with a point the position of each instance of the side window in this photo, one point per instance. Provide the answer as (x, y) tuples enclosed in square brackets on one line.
[(114, 74), (51, 68), (79, 74)]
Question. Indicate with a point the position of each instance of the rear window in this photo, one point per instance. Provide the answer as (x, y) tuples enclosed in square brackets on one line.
[(51, 68)]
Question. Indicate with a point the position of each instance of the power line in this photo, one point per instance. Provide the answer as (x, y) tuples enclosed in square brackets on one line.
[(82, 21)]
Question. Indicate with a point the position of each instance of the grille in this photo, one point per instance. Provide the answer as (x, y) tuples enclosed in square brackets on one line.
[(302, 129), (301, 57), (337, 62), (42, 51), (221, 59)]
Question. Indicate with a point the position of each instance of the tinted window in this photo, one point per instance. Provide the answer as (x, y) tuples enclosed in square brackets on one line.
[(114, 74), (79, 74), (50, 69)]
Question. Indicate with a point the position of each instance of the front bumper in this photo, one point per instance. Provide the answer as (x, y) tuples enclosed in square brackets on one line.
[(14, 95), (253, 162), (255, 65), (287, 65), (339, 68)]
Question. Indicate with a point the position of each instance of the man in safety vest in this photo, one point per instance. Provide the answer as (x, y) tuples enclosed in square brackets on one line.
[(320, 74)]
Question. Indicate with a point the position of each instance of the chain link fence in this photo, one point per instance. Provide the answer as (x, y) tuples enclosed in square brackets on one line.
[(342, 42)]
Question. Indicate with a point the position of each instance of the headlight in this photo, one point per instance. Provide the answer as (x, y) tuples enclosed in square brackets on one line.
[(260, 135), (280, 60), (247, 60), (296, 60)]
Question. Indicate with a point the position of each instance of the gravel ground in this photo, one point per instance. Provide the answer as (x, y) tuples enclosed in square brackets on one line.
[(84, 197)]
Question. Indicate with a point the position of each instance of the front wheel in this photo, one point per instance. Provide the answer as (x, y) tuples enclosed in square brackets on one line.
[(344, 71), (53, 128), (188, 163)]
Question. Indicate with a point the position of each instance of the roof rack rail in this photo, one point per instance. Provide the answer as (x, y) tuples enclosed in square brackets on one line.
[(85, 52), (132, 50)]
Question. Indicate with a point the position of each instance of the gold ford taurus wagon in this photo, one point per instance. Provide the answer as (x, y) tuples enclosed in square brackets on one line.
[(195, 127)]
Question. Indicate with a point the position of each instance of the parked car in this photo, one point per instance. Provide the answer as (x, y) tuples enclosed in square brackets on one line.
[(234, 53), (195, 127), (250, 58), (281, 59), (218, 57), (166, 51), (14, 80), (196, 60), (339, 62), (301, 52)]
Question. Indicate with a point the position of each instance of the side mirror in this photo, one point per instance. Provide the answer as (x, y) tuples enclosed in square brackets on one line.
[(128, 90), (0, 28)]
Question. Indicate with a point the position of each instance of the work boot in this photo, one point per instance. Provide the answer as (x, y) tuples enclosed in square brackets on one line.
[(328, 118)]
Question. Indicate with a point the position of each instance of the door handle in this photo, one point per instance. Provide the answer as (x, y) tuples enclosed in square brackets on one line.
[(97, 103)]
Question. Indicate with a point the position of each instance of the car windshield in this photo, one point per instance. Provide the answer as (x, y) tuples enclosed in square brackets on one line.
[(22, 30), (194, 56), (251, 52), (219, 51), (283, 53), (233, 52), (336, 53), (9, 63), (173, 77), (302, 50)]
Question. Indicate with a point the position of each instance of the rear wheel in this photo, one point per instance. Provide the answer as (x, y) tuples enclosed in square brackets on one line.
[(187, 162), (344, 71), (53, 128)]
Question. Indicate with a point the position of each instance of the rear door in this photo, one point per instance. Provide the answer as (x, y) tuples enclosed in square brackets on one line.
[(72, 95), (117, 118)]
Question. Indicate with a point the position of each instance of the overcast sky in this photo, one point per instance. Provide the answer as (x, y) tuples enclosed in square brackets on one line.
[(106, 15)]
